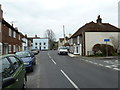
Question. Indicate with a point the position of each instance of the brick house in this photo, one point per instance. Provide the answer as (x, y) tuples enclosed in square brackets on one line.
[(82, 41), (11, 39)]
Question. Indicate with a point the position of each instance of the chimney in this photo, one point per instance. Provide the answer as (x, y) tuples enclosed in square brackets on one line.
[(26, 35), (35, 36), (99, 20)]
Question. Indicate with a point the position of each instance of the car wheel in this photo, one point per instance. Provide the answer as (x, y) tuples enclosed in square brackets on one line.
[(34, 63)]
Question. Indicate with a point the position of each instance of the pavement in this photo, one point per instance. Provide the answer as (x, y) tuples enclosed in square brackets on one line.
[(100, 58)]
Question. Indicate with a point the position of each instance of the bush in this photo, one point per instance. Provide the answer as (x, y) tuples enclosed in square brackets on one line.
[(100, 49)]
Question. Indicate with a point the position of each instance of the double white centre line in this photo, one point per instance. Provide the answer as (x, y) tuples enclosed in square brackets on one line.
[(70, 80)]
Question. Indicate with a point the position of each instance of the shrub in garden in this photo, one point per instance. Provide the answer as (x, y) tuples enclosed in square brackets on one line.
[(100, 49)]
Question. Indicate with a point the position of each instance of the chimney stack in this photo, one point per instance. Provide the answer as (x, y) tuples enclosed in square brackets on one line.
[(99, 20), (36, 36)]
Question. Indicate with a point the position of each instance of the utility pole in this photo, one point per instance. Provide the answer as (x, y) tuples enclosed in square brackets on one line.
[(64, 33)]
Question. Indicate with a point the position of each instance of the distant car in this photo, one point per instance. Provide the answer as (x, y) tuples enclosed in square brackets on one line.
[(62, 50), (28, 58), (35, 51), (13, 72)]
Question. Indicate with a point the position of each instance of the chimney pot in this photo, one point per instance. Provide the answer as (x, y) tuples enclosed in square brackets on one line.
[(99, 20)]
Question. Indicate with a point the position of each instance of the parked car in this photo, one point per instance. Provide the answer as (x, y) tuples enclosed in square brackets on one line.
[(62, 50), (28, 58), (35, 51), (13, 72)]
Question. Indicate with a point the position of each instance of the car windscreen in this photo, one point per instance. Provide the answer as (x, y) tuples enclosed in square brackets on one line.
[(63, 48), (23, 54)]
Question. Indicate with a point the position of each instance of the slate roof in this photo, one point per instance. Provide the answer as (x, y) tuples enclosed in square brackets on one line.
[(96, 27)]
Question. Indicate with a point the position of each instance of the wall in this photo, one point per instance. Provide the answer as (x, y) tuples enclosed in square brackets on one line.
[(119, 14), (42, 41), (92, 38)]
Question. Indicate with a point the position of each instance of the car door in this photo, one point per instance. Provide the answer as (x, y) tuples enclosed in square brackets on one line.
[(19, 71), (7, 69)]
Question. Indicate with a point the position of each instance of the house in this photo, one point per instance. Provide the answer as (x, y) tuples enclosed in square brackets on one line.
[(82, 41), (1, 16), (10, 39), (39, 43), (119, 14), (64, 41), (61, 42)]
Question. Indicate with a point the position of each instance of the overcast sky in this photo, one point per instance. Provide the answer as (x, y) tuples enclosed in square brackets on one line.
[(36, 16)]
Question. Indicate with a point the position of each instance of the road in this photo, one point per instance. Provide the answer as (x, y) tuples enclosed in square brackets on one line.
[(61, 71)]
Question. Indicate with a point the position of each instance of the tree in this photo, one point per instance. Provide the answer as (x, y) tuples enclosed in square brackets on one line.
[(51, 36)]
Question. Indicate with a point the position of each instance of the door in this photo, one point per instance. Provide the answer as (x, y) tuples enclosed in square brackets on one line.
[(19, 71), (5, 46)]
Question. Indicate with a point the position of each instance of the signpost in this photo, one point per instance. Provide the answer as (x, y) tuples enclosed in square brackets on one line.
[(106, 40)]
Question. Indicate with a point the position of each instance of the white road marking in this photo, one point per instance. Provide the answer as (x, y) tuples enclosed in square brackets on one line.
[(86, 60), (90, 61), (53, 61), (100, 64), (116, 69), (70, 80), (108, 66), (95, 63)]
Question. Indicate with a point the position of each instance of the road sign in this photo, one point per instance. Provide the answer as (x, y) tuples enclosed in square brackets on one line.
[(106, 40)]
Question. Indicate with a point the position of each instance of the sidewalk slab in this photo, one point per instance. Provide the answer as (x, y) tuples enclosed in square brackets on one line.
[(100, 58)]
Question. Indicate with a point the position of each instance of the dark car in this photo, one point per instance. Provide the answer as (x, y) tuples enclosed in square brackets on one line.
[(35, 51), (13, 72), (28, 58)]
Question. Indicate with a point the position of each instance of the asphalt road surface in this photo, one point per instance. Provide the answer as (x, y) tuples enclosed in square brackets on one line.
[(61, 71)]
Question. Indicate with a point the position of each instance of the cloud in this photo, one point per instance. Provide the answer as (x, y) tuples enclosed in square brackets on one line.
[(35, 16)]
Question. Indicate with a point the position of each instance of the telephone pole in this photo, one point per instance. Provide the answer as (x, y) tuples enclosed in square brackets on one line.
[(64, 33)]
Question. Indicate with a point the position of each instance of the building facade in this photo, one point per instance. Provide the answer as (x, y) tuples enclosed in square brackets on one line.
[(82, 41), (41, 44), (119, 14), (10, 37)]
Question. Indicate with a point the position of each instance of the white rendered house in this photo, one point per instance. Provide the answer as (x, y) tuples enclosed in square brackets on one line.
[(40, 43)]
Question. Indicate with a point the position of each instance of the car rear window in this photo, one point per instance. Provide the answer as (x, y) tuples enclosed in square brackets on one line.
[(23, 54)]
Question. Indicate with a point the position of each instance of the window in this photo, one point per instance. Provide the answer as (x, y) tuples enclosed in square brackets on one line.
[(7, 68), (71, 40), (0, 27), (35, 43), (10, 48), (19, 48), (10, 32), (39, 43), (14, 34), (44, 47), (44, 43), (15, 62), (78, 39), (0, 48), (19, 37), (14, 48)]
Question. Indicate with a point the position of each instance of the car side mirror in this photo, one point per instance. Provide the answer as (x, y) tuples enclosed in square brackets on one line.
[(8, 81)]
